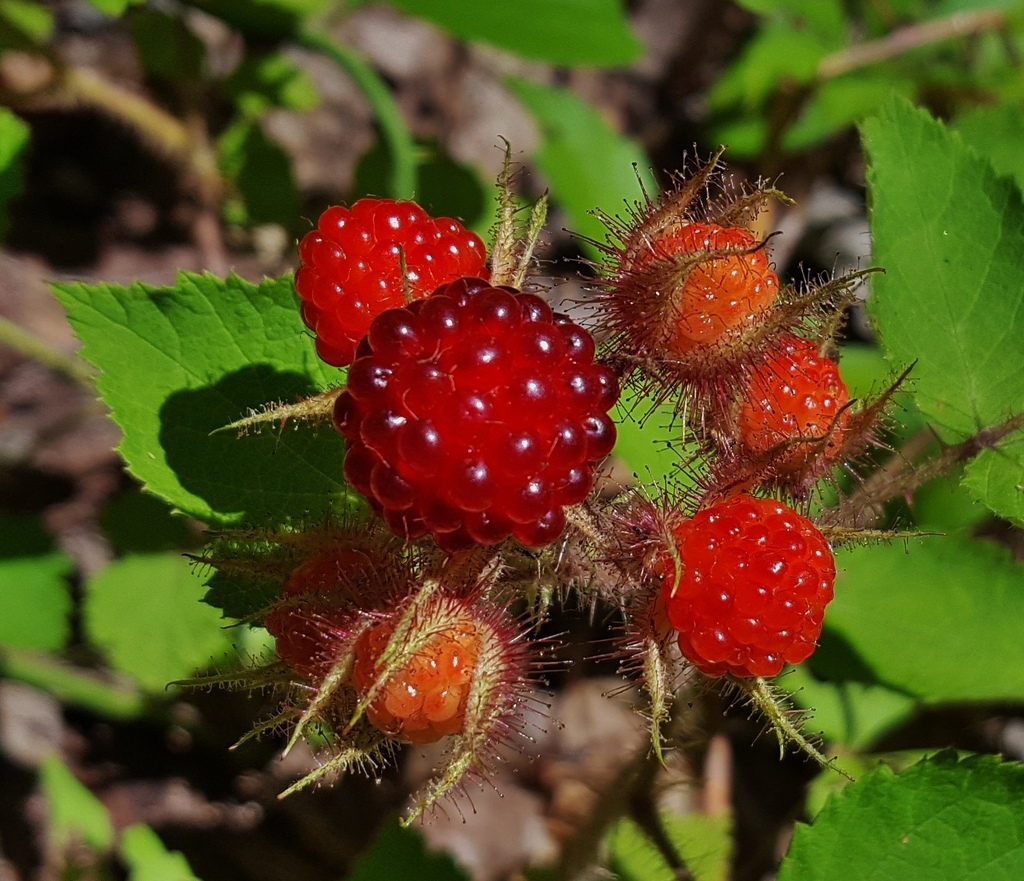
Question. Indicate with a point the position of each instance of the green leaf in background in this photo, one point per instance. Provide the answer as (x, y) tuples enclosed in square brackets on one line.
[(588, 165), (148, 859), (34, 599), (114, 8), (950, 235), (570, 32), (850, 714), (24, 24), (826, 19), (76, 815), (271, 19), (650, 441), (704, 844), (938, 620), (444, 187), (944, 819), (997, 134), (179, 363), (268, 80), (144, 611), (166, 48), (261, 170), (777, 53), (839, 103), (400, 853), (947, 505), (13, 141)]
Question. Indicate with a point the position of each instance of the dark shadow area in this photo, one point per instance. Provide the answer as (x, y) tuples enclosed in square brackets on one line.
[(266, 474)]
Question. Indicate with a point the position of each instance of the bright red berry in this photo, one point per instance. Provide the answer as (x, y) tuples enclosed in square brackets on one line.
[(425, 698), (352, 267), (476, 414), (746, 587), (719, 295), (317, 596), (795, 394)]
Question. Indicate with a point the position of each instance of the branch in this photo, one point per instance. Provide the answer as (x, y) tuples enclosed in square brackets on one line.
[(29, 345), (960, 24)]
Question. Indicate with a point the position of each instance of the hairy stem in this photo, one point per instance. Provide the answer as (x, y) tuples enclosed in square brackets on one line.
[(901, 476)]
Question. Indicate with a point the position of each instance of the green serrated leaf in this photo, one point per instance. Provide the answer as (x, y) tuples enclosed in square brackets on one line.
[(550, 30), (268, 80), (996, 478), (400, 853), (138, 522), (167, 632), (588, 165), (949, 234), (148, 859), (239, 597), (166, 48), (936, 619), (14, 135), (34, 599), (76, 815), (178, 363), (261, 170), (944, 819)]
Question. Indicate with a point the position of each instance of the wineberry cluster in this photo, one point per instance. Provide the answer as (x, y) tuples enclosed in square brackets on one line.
[(475, 419)]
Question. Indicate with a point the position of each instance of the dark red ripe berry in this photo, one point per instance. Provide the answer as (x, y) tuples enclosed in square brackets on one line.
[(795, 394), (746, 587), (474, 415), (352, 267)]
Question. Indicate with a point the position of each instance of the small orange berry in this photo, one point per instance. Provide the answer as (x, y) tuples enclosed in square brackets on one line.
[(425, 699)]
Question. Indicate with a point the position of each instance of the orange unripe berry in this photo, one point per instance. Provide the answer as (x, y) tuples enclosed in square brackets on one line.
[(795, 395), (720, 295), (424, 699)]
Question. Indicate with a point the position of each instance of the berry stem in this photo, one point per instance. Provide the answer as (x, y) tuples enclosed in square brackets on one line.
[(771, 704)]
